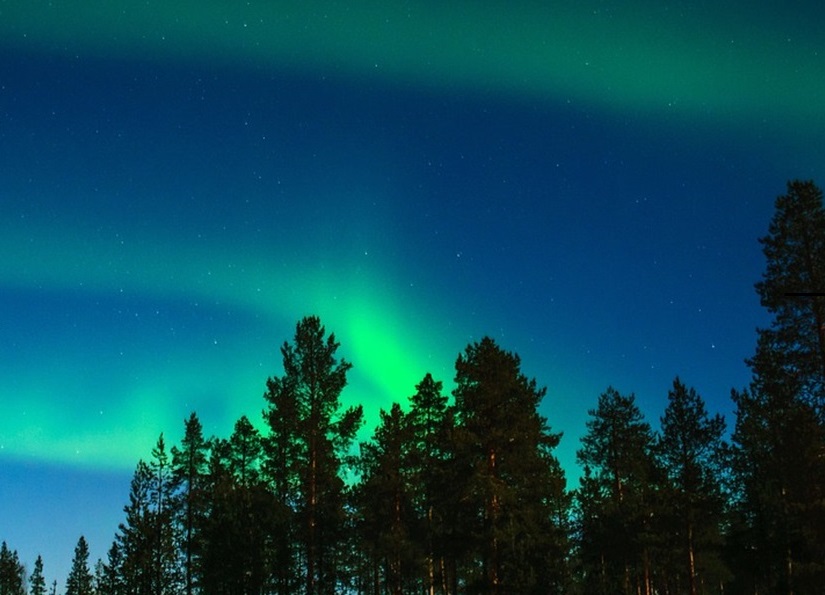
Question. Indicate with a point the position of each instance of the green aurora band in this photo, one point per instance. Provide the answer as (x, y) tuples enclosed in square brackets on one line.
[(389, 353), (706, 61), (633, 59)]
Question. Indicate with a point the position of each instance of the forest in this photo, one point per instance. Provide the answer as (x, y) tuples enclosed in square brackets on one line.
[(462, 493)]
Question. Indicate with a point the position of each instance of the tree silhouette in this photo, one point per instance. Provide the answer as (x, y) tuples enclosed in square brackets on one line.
[(616, 496), (505, 447), (37, 582), (79, 581), (690, 450), (308, 396), (189, 463), (12, 572), (779, 438)]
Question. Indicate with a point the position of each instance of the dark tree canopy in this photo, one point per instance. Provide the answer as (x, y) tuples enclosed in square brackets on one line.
[(12, 572), (616, 497), (790, 355), (505, 447), (779, 438), (691, 453)]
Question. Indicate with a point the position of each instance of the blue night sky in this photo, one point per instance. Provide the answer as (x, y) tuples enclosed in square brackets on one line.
[(181, 182)]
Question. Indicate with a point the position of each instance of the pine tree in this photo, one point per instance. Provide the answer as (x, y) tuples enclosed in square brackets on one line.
[(281, 464), (12, 572), (240, 526), (690, 449), (219, 564), (136, 535), (80, 580), (430, 427), (245, 453), (616, 497), (779, 438), (98, 580), (254, 507), (111, 580), (778, 461), (189, 467), (506, 447), (37, 582), (163, 509), (387, 521), (790, 355), (309, 393)]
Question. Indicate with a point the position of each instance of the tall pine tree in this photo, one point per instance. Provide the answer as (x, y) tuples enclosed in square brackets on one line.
[(779, 439), (318, 436), (506, 448), (691, 453), (189, 466), (790, 355), (384, 496), (163, 506), (135, 539), (430, 425), (616, 498)]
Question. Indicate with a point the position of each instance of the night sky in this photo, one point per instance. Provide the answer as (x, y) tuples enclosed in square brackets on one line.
[(179, 186)]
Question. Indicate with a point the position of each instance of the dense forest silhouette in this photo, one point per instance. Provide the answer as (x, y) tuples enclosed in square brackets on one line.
[(462, 493)]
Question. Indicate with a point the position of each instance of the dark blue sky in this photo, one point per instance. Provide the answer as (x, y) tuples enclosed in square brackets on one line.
[(177, 190)]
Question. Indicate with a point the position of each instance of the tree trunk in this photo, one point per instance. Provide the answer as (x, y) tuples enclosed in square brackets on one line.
[(311, 509), (647, 573), (430, 570), (493, 511), (397, 522), (691, 560)]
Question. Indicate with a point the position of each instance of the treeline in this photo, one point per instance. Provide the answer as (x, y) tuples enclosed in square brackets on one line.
[(464, 494)]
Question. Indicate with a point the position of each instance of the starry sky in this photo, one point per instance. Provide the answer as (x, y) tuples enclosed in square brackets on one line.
[(180, 183)]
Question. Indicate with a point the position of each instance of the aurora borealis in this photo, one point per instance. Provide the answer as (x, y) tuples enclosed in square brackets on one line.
[(583, 182)]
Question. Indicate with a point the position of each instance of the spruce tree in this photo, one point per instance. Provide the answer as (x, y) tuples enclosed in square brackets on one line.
[(163, 505), (189, 468), (80, 580), (37, 582), (135, 539), (12, 572), (98, 577), (112, 580)]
